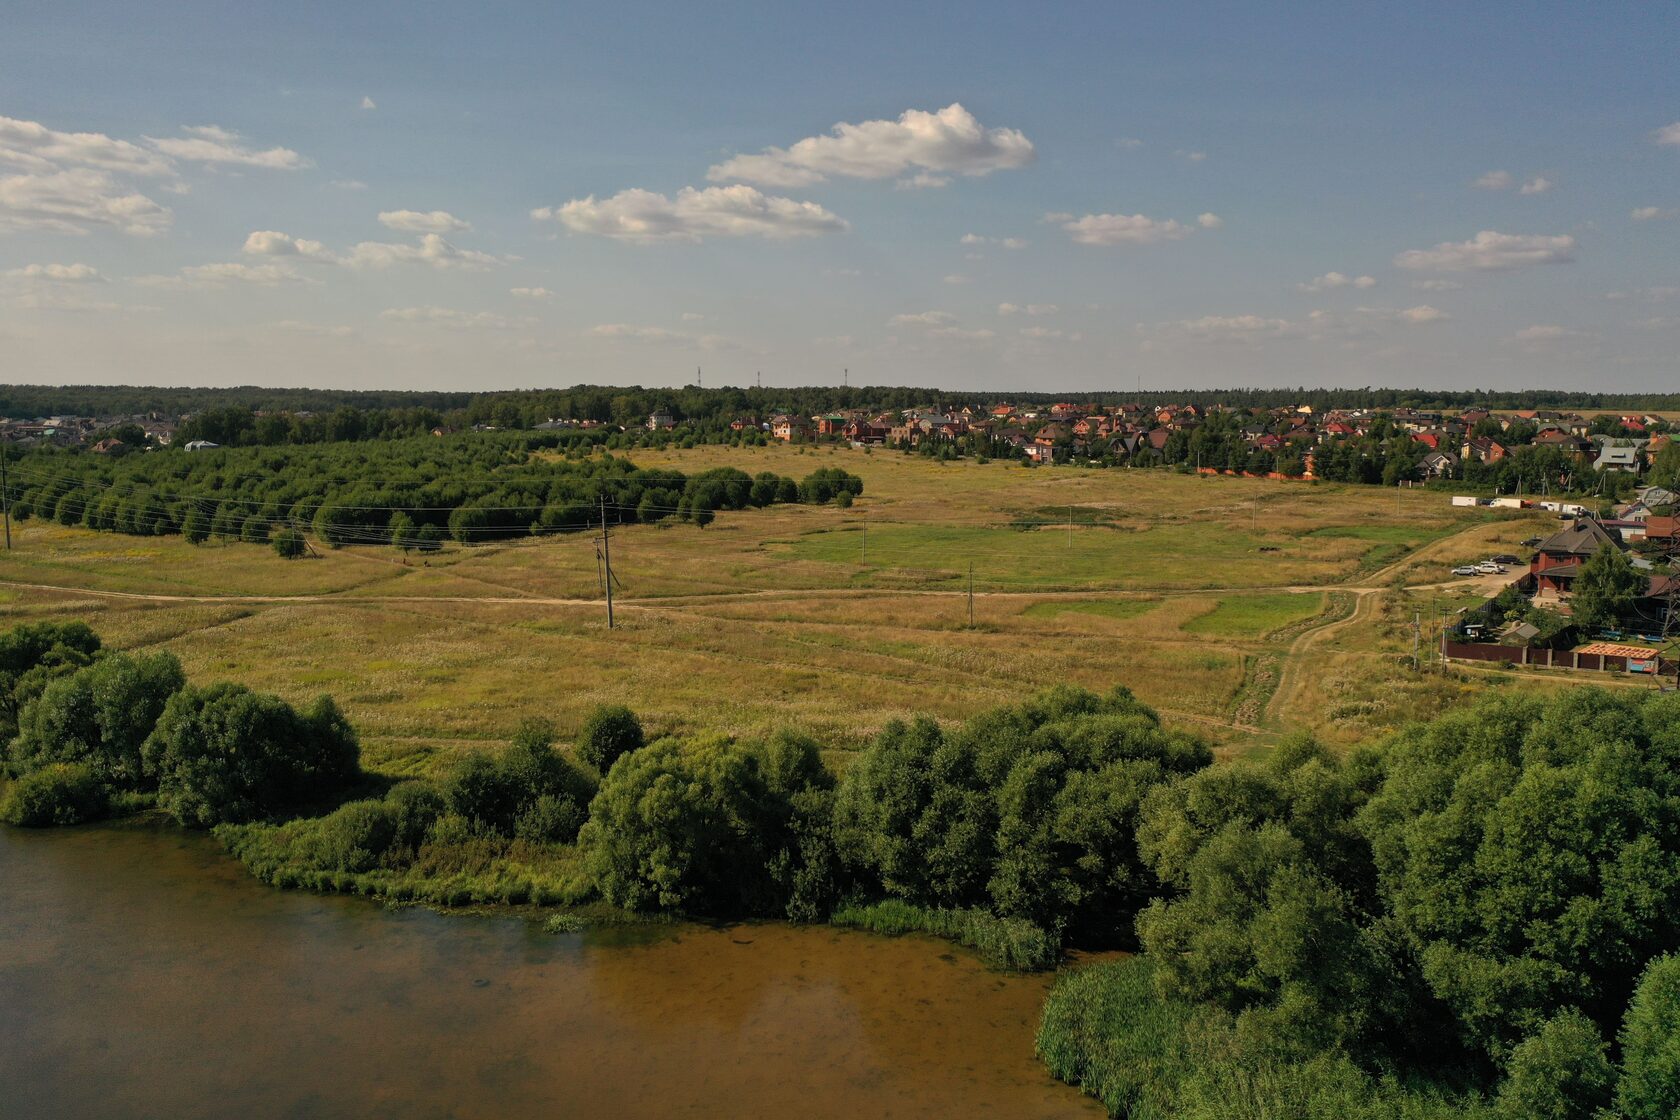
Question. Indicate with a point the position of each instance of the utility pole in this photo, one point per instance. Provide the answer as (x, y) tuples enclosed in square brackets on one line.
[(1417, 621), (699, 378), (846, 378), (606, 556), (6, 494), (971, 593)]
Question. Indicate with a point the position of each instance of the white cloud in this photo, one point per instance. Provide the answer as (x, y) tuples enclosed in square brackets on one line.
[(1193, 157), (449, 317), (1209, 221), (1332, 280), (1545, 332), (1493, 181), (369, 103), (1128, 143), (1668, 134), (973, 239), (922, 319), (58, 273), (37, 148), (415, 221), (956, 278), (949, 141), (1423, 313), (530, 293), (1120, 229), (221, 274), (1006, 242), (1014, 243), (74, 199), (692, 317), (1437, 285), (1490, 251), (273, 243), (1232, 326), (1537, 185), (210, 144), (1049, 334), (735, 211), (1027, 309), (431, 250), (962, 334), (1652, 213)]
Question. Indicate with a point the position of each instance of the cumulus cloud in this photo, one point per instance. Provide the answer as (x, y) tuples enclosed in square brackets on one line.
[(1651, 213), (957, 278), (213, 145), (1537, 185), (1232, 326), (1333, 280), (431, 250), (449, 317), (948, 142), (1027, 309), (693, 215), (1437, 285), (1193, 157), (1049, 334), (1490, 251), (273, 243), (530, 293), (1209, 221), (58, 273), (1125, 229), (692, 317), (1423, 313), (34, 147), (75, 199), (922, 180), (415, 221), (369, 103), (1493, 181), (1668, 134), (1128, 143)]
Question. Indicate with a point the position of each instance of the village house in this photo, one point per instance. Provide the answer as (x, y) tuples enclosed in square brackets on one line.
[(1558, 559), (660, 421)]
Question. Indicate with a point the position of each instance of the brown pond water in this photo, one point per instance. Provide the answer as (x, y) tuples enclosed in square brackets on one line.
[(143, 974)]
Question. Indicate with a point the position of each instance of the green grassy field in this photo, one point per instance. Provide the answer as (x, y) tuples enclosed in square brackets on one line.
[(832, 621)]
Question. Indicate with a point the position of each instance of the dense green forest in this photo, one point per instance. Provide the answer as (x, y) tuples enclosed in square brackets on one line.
[(1475, 918), (411, 492)]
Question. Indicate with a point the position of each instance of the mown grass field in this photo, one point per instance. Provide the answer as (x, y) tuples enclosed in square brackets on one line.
[(833, 621)]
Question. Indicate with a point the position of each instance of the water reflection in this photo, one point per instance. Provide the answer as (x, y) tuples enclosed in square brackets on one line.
[(143, 974)]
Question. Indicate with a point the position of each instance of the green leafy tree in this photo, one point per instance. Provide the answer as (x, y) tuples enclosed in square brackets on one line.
[(255, 530), (227, 754), (58, 794), (1649, 1085), (195, 526), (1559, 1073), (527, 790), (289, 544), (610, 732), (99, 716), (1605, 590), (32, 655)]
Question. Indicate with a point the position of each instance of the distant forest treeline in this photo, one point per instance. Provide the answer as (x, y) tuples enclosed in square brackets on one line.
[(381, 413)]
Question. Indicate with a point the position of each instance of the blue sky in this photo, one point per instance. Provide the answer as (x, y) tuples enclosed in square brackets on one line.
[(986, 196)]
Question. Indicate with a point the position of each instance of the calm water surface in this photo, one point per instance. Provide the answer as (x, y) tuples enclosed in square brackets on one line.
[(143, 974)]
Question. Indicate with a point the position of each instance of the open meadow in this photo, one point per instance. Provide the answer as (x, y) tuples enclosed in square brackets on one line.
[(1242, 608)]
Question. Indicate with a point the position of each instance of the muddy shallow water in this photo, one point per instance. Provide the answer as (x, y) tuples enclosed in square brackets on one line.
[(142, 973)]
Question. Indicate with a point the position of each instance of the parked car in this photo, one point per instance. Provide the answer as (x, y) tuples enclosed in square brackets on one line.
[(1531, 542), (1505, 558), (1465, 570), (1489, 568)]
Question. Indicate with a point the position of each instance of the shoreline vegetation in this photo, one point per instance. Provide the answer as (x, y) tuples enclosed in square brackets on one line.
[(1475, 918)]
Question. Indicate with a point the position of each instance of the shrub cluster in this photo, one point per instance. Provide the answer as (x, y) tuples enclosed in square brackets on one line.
[(98, 726)]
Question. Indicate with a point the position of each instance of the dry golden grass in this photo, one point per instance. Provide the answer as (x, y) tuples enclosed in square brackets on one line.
[(767, 619)]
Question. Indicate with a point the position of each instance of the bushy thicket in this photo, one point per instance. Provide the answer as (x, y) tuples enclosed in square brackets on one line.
[(412, 493), (1472, 920), (1026, 811), (96, 725)]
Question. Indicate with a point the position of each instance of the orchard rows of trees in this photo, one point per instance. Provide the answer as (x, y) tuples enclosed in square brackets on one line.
[(412, 493), (1477, 919)]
